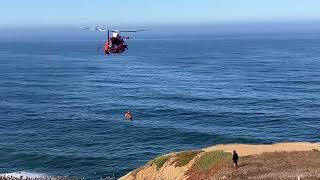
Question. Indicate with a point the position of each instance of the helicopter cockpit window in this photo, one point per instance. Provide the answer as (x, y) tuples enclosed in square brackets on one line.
[(115, 41)]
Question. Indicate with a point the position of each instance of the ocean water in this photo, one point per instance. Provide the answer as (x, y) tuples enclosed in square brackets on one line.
[(62, 103)]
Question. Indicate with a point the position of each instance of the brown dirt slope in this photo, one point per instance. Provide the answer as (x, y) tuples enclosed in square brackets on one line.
[(274, 165)]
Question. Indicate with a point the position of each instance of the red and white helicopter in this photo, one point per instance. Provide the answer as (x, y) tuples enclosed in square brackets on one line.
[(115, 43)]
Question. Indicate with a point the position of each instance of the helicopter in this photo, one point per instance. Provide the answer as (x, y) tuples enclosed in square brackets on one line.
[(115, 43)]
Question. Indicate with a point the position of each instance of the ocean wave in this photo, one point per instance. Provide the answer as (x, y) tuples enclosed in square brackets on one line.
[(24, 175)]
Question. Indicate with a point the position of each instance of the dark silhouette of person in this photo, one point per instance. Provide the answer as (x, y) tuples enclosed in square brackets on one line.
[(235, 158)]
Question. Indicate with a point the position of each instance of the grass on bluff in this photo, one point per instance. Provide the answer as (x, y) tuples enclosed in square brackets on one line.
[(160, 160), (211, 159), (182, 159), (185, 157)]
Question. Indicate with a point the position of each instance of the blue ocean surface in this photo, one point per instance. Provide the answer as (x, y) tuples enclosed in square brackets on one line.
[(62, 102)]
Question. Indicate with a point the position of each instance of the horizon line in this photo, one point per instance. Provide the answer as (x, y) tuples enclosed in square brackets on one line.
[(165, 24)]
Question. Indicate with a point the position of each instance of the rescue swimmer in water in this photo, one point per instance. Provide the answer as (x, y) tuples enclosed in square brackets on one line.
[(116, 43), (128, 115)]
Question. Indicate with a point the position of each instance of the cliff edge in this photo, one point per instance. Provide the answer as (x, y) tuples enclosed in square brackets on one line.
[(277, 161)]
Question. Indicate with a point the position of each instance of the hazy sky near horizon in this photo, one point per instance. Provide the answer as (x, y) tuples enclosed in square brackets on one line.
[(142, 12)]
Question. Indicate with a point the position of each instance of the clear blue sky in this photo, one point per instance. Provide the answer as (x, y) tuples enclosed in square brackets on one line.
[(78, 12)]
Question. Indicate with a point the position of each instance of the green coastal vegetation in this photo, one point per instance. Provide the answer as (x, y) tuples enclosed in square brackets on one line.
[(159, 161), (185, 157), (211, 159)]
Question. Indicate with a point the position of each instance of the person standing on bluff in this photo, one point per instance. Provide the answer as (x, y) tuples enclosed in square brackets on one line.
[(235, 158)]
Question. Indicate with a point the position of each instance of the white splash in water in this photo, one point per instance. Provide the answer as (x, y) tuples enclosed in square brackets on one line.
[(24, 175)]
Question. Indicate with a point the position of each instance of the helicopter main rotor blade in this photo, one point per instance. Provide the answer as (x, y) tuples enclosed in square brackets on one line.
[(128, 31), (94, 29), (117, 31)]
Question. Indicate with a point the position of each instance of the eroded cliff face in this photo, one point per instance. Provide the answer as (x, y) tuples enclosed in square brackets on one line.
[(168, 167)]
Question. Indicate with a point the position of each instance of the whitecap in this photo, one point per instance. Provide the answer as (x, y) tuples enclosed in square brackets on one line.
[(24, 175)]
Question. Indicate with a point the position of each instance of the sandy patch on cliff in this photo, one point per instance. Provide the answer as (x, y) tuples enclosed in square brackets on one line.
[(245, 149), (167, 172)]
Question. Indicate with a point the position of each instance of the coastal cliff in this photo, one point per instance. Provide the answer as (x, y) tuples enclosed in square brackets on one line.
[(277, 161)]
